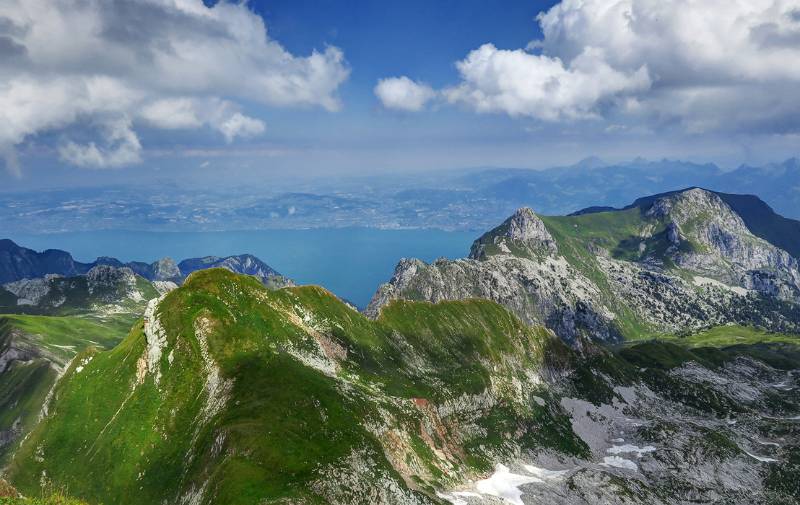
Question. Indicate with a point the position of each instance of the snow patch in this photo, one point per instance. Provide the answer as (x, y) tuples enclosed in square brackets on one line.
[(761, 458), (505, 485), (630, 449), (617, 462)]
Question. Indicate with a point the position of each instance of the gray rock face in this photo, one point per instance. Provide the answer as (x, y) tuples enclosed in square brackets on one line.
[(30, 291), (165, 269), (723, 246), (547, 291), (524, 230)]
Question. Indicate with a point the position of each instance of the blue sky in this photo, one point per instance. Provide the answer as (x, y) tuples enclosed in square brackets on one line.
[(113, 90), (416, 38)]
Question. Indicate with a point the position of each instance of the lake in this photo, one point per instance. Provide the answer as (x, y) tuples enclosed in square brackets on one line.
[(351, 262)]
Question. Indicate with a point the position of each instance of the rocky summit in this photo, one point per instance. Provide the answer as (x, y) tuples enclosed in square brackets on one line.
[(677, 262)]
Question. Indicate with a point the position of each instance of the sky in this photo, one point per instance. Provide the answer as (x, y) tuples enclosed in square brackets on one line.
[(121, 90)]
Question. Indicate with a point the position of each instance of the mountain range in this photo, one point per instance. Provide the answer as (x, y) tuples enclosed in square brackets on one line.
[(592, 182), (55, 307), (647, 354), (18, 263)]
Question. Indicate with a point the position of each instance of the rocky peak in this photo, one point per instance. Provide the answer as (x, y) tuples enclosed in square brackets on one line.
[(108, 275), (722, 246), (242, 264), (525, 225), (166, 269), (523, 229), (696, 206)]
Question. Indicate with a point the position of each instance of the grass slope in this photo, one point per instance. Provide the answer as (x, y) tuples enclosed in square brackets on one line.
[(292, 427), (49, 342)]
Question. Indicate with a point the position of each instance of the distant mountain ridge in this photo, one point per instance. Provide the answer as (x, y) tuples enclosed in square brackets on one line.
[(18, 263), (560, 190)]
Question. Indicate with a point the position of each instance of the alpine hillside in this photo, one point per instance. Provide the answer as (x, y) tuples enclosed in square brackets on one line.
[(671, 263), (229, 393)]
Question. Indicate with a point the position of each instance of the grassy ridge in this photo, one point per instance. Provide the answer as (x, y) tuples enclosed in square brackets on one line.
[(290, 423)]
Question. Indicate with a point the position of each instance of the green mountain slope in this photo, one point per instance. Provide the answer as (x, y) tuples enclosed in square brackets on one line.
[(228, 393), (269, 395), (34, 350), (58, 318)]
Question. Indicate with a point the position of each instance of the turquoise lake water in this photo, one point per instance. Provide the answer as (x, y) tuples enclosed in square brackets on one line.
[(351, 262)]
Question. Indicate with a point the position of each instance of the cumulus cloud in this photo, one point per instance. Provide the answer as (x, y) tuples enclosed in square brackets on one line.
[(167, 64), (239, 125), (523, 84), (171, 114), (122, 147), (184, 113), (710, 65), (402, 93)]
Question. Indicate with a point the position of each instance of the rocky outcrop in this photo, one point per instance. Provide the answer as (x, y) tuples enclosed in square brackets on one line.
[(721, 245), (522, 232), (111, 284), (30, 291), (517, 266), (165, 269)]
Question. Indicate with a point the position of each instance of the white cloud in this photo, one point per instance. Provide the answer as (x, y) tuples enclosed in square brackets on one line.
[(523, 84), (401, 93), (169, 114), (716, 64), (167, 64), (184, 113), (710, 65), (239, 125), (122, 148)]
